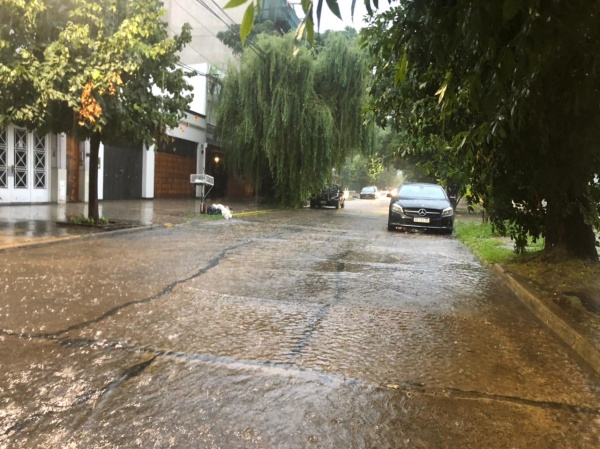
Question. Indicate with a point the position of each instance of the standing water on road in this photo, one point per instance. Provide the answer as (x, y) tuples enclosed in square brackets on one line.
[(306, 328)]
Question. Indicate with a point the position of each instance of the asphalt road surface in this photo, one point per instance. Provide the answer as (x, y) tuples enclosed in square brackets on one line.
[(289, 329)]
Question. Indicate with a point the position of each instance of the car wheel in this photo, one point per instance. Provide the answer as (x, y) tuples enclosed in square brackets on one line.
[(391, 228)]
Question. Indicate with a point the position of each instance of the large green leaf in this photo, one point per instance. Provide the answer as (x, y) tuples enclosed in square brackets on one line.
[(247, 22), (402, 67), (334, 7), (234, 3), (319, 9)]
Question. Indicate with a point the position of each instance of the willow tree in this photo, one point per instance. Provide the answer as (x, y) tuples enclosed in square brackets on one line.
[(287, 118)]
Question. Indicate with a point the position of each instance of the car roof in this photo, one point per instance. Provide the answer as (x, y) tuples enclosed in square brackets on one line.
[(420, 184)]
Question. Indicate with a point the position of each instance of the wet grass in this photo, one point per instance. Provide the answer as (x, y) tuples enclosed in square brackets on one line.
[(491, 247), (83, 220), (191, 215), (550, 277)]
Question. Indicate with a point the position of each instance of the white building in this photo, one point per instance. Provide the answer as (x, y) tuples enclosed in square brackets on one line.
[(54, 168)]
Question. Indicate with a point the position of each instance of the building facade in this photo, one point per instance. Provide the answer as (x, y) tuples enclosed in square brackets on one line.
[(55, 168)]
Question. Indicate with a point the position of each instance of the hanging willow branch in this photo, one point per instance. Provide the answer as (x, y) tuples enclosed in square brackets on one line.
[(287, 120)]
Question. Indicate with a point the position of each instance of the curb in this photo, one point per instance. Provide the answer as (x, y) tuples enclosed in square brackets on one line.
[(54, 240), (549, 314)]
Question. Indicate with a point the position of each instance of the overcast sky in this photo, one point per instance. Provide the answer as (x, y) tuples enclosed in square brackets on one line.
[(330, 22)]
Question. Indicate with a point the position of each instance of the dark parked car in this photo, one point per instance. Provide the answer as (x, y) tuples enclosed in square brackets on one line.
[(419, 205), (368, 193), (331, 195)]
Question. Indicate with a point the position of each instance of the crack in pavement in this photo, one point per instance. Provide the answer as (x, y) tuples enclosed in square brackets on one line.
[(457, 393), (325, 378), (316, 319), (166, 290)]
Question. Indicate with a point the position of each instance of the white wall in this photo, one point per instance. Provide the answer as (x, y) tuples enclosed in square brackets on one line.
[(191, 128), (198, 82), (148, 161), (206, 21), (58, 172)]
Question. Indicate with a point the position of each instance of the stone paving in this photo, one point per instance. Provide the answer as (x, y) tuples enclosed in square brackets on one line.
[(574, 315)]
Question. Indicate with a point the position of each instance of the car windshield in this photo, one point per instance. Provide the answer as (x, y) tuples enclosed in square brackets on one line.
[(421, 192), (332, 189), (368, 190)]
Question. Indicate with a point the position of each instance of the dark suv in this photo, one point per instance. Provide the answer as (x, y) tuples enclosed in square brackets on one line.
[(331, 195)]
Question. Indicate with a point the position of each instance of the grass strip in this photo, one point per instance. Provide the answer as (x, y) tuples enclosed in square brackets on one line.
[(490, 247)]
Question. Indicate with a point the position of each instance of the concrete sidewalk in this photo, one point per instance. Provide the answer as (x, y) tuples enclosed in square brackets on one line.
[(573, 316), (30, 224)]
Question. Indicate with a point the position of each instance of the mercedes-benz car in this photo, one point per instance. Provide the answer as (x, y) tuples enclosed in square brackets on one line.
[(421, 205)]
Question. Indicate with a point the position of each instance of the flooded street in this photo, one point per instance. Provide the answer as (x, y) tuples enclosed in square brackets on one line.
[(288, 329)]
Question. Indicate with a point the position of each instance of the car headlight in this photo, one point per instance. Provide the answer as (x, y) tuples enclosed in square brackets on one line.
[(397, 208), (447, 212)]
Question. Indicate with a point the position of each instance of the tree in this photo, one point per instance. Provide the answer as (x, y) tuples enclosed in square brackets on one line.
[(515, 88), (287, 119), (523, 79), (233, 40), (104, 70)]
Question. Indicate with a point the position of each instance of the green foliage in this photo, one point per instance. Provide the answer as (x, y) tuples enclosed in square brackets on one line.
[(233, 40), (312, 15), (375, 168), (25, 29), (210, 217), (95, 46), (356, 172), (83, 220), (390, 177), (511, 92), (489, 245), (359, 172), (102, 69), (286, 120)]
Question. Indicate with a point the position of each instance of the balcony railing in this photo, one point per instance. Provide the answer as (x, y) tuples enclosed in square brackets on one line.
[(211, 136)]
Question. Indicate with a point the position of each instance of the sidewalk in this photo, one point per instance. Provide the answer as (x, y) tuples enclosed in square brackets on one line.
[(31, 224), (569, 306), (571, 309)]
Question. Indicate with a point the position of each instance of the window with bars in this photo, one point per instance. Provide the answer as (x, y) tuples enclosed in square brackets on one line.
[(21, 181), (39, 162), (3, 159)]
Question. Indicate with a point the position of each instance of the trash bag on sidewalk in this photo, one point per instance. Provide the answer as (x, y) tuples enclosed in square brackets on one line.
[(219, 209)]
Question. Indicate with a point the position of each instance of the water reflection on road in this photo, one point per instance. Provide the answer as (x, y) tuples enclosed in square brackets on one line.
[(309, 328)]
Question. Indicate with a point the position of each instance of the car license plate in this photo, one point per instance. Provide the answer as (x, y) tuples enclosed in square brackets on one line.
[(421, 220), (323, 202)]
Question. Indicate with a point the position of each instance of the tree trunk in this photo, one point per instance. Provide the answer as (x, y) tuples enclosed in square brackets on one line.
[(569, 236), (93, 177)]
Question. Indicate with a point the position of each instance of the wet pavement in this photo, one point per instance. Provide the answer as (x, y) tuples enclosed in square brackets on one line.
[(291, 328), (30, 224)]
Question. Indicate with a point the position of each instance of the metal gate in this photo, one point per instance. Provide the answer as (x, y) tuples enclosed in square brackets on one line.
[(122, 172), (23, 166)]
